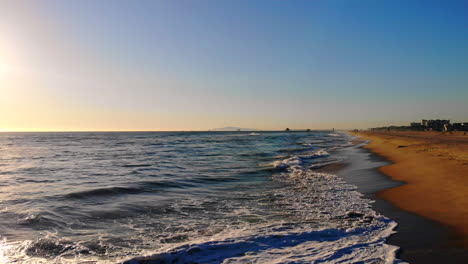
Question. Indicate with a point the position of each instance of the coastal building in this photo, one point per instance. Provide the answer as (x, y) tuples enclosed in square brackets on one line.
[(460, 126), (436, 124), (426, 125), (416, 126)]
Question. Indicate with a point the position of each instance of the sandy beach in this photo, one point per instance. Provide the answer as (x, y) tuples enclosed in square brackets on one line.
[(435, 169)]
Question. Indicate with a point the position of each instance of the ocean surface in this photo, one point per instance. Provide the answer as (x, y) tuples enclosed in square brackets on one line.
[(183, 197)]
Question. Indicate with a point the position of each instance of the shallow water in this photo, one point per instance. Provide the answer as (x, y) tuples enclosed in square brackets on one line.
[(178, 197)]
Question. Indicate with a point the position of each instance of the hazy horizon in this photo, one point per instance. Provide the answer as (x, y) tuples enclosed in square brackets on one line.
[(199, 65)]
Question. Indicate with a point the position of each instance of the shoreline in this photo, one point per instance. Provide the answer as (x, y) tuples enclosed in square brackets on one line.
[(422, 239)]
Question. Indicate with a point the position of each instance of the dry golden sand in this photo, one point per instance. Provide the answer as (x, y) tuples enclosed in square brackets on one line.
[(435, 168)]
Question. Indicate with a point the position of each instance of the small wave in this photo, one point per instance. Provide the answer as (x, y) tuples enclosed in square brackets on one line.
[(286, 163), (154, 185), (124, 143), (208, 179), (148, 186), (28, 180), (40, 220), (46, 248), (255, 154), (324, 164), (136, 165), (103, 192), (299, 160), (50, 249)]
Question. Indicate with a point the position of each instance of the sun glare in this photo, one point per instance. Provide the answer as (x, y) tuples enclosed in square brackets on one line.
[(7, 58), (3, 70), (4, 67)]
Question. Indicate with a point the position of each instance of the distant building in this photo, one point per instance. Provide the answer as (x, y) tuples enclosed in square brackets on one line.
[(426, 125), (460, 126), (416, 126), (436, 124)]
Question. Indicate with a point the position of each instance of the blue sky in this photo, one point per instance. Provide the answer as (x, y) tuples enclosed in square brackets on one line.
[(181, 65)]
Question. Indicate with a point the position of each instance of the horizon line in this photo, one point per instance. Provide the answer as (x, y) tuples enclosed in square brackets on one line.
[(207, 130)]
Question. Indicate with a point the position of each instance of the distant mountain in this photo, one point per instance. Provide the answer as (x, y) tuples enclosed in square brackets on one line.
[(233, 129)]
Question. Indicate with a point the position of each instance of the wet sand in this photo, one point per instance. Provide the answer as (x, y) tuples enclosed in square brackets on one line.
[(420, 240)]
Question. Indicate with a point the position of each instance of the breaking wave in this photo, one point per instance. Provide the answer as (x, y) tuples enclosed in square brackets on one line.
[(326, 220)]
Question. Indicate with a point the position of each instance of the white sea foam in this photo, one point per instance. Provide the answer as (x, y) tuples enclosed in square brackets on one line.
[(325, 220), (299, 160), (281, 244)]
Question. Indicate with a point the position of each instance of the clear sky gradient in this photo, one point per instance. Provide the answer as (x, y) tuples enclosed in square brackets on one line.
[(196, 65)]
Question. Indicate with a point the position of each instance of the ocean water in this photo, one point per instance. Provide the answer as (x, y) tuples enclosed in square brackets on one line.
[(183, 197)]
